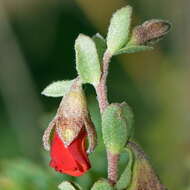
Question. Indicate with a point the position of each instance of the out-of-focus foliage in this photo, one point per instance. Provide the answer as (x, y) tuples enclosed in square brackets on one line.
[(23, 174), (37, 47)]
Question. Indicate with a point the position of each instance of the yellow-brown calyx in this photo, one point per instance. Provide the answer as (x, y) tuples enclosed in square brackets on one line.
[(144, 177), (72, 115)]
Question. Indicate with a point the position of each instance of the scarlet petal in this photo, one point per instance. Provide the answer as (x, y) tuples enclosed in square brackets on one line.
[(72, 160)]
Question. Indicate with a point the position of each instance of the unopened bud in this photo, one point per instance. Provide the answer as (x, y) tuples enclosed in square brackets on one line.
[(144, 176), (117, 128), (149, 32)]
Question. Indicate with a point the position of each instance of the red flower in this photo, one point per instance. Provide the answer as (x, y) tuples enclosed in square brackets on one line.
[(72, 124), (72, 160)]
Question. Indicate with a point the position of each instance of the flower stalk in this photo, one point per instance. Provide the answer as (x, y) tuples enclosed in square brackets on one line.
[(101, 88), (101, 91)]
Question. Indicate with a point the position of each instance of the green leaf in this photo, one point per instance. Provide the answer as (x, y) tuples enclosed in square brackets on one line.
[(125, 179), (100, 45), (87, 60), (133, 49), (114, 128), (102, 184), (57, 89), (119, 28), (66, 185)]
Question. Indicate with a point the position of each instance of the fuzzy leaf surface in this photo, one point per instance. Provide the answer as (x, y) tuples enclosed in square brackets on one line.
[(100, 45), (119, 28), (125, 178), (133, 49), (87, 60), (102, 184), (57, 89), (66, 185), (114, 128)]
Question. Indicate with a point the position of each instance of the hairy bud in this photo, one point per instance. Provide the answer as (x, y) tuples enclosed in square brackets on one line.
[(150, 32), (144, 176)]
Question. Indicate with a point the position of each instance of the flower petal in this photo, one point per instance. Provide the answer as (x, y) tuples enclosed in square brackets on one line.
[(70, 160)]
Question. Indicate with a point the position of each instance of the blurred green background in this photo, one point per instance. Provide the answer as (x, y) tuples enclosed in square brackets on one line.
[(36, 48)]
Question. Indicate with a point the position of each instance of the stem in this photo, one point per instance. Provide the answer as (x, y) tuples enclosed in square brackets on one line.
[(101, 88), (113, 160), (101, 91)]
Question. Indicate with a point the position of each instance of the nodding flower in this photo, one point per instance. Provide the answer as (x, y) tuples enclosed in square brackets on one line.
[(66, 134)]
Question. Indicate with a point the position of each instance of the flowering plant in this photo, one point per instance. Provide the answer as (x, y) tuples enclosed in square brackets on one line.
[(66, 134)]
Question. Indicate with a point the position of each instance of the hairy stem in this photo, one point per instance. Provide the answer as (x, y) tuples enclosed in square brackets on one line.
[(101, 91), (101, 88), (113, 160)]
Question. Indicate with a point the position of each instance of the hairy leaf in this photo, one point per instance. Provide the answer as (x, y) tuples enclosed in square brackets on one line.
[(125, 178), (58, 89), (102, 184), (66, 185), (119, 28), (133, 49), (87, 60), (100, 45)]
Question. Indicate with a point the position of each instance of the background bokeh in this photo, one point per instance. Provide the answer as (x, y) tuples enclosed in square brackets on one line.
[(36, 48)]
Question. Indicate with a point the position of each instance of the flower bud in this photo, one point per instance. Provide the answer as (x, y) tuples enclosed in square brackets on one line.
[(72, 124), (149, 32), (144, 176), (117, 122)]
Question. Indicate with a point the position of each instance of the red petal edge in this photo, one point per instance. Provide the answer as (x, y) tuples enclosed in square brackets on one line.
[(71, 160)]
